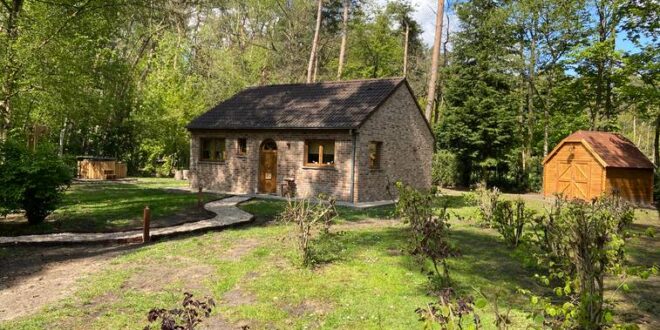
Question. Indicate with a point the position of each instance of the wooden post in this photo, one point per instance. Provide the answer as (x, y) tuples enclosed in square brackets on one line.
[(200, 202), (146, 220)]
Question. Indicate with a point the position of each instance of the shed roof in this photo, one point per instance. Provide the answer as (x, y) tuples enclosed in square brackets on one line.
[(324, 105), (611, 149)]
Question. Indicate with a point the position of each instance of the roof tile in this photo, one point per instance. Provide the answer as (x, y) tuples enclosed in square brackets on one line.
[(326, 105)]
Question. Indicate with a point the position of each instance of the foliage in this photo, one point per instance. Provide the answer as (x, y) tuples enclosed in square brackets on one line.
[(445, 169), (449, 312), (112, 207), (312, 218), (188, 317), (487, 200), (581, 242), (429, 229), (32, 180), (510, 218)]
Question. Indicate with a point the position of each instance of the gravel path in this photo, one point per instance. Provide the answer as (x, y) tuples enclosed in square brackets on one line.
[(225, 209)]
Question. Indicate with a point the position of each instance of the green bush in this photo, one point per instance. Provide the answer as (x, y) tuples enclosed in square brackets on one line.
[(31, 180), (509, 220), (445, 169), (429, 229), (486, 201)]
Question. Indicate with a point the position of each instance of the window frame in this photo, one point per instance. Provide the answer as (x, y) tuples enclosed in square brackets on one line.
[(320, 163), (239, 150), (215, 141), (379, 155)]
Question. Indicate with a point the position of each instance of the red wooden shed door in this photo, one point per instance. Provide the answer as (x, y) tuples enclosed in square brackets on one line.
[(573, 179)]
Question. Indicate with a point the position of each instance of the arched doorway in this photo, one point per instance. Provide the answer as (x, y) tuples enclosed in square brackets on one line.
[(268, 167)]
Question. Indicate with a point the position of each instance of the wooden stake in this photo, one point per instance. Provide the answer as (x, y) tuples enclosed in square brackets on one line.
[(199, 197), (146, 217)]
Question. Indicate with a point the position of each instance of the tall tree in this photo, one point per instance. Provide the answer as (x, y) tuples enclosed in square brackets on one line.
[(313, 53), (433, 76), (344, 37)]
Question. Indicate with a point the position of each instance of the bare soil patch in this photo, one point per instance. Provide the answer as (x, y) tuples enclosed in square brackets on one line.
[(155, 276), (367, 223), (32, 277), (237, 251)]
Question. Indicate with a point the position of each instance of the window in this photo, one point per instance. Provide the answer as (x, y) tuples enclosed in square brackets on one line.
[(374, 154), (213, 149), (241, 147), (320, 153)]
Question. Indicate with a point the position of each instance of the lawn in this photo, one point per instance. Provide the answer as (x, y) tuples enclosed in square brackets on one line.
[(369, 282), (113, 206)]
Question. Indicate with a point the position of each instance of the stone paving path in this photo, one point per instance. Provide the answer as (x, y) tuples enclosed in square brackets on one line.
[(225, 209)]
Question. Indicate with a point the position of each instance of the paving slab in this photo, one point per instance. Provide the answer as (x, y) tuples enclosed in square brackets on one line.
[(227, 214)]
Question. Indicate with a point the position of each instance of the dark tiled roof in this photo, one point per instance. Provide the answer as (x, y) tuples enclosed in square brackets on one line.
[(326, 105), (614, 149)]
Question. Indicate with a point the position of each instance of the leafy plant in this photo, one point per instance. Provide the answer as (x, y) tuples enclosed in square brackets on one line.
[(312, 219), (510, 219), (32, 180), (581, 242), (191, 314), (454, 312), (449, 312), (486, 200), (429, 228), (444, 171)]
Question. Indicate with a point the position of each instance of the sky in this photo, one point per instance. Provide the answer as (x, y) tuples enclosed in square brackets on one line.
[(425, 14)]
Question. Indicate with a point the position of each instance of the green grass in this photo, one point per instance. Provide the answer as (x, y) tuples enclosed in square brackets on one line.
[(370, 283), (267, 210), (102, 207)]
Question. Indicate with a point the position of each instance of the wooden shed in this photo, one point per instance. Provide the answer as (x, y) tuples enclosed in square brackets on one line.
[(100, 168), (587, 164)]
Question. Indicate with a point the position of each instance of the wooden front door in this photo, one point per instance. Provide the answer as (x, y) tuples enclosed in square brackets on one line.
[(268, 167), (573, 179)]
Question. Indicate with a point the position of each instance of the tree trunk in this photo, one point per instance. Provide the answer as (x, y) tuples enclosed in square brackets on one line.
[(405, 50), (344, 37), (530, 101), (316, 68), (312, 55), (8, 89), (546, 117), (430, 95), (63, 136), (656, 142)]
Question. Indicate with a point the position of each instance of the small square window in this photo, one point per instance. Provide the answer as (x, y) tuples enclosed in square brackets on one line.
[(212, 149), (374, 154), (320, 153), (241, 148)]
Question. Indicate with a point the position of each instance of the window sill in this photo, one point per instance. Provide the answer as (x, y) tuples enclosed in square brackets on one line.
[(212, 162), (325, 168)]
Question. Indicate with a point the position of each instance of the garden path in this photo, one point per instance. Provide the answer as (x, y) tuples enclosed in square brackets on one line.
[(227, 214)]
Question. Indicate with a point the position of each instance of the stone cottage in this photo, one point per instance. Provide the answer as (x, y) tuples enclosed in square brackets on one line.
[(350, 139)]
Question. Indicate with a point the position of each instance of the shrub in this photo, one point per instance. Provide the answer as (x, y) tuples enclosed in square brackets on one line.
[(509, 220), (487, 200), (429, 229), (312, 219), (445, 169), (185, 318), (31, 180), (581, 242), (449, 312)]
